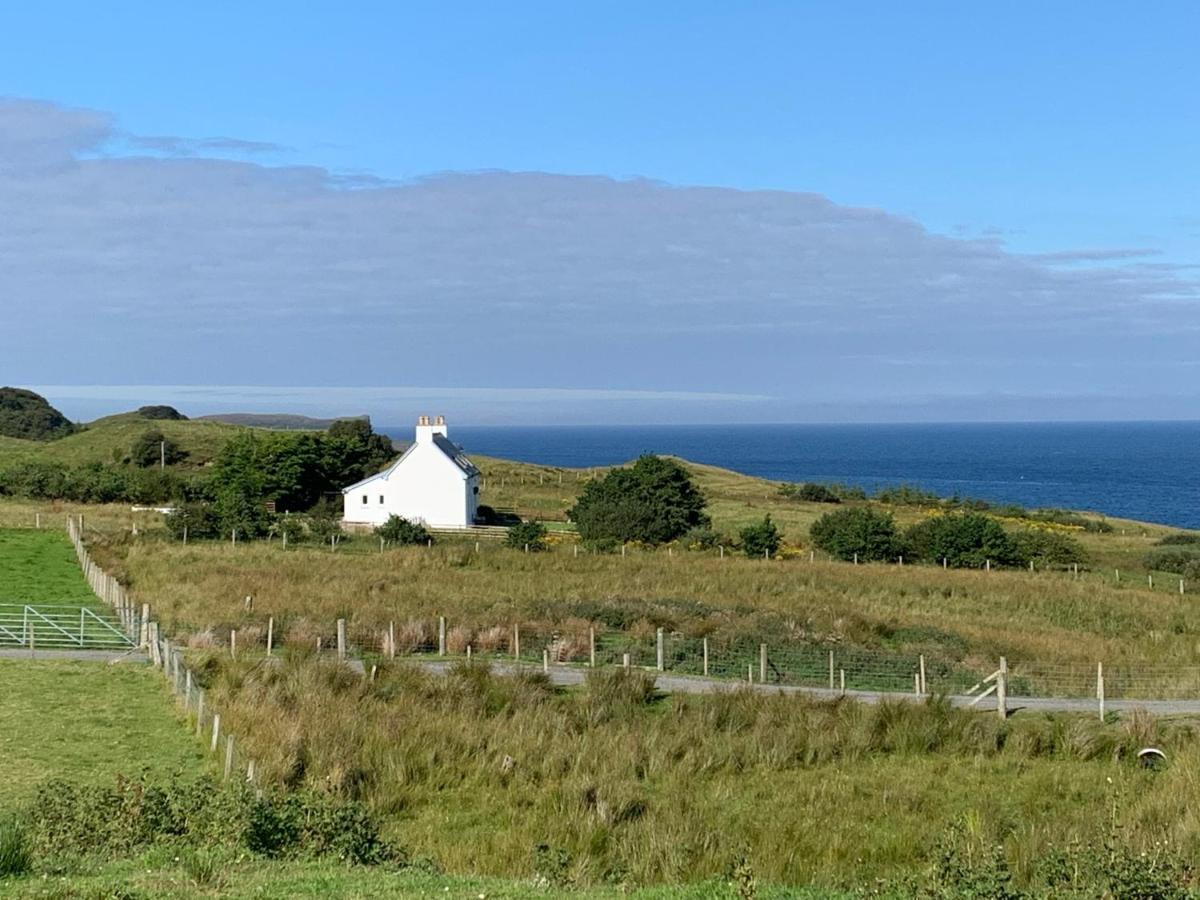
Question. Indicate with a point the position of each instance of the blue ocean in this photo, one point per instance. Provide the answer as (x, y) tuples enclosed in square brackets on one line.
[(1139, 470)]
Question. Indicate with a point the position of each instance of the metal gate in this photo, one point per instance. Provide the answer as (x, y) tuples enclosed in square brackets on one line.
[(62, 628)]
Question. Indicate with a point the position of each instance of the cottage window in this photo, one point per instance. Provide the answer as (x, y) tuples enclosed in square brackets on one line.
[(381, 499), (365, 498)]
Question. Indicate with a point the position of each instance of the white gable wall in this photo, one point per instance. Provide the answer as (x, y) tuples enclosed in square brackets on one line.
[(424, 486)]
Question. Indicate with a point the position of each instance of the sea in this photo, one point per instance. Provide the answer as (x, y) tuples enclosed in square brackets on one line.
[(1137, 470)]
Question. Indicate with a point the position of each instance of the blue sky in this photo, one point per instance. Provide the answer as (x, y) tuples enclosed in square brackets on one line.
[(1043, 158)]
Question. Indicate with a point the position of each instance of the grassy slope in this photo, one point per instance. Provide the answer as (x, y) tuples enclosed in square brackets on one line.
[(109, 440)]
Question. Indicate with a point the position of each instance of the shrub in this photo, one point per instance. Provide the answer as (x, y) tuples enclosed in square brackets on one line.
[(200, 520), (292, 527), (526, 535), (653, 501), (399, 530), (152, 447), (134, 814), (810, 492), (908, 495), (864, 532), (1181, 538), (760, 539), (964, 540), (701, 538), (1046, 548), (1176, 559)]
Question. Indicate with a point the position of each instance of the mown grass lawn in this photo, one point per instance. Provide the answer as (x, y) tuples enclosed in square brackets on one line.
[(172, 873), (86, 722), (39, 567)]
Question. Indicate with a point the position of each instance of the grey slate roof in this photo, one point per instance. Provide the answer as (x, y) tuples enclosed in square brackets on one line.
[(456, 454)]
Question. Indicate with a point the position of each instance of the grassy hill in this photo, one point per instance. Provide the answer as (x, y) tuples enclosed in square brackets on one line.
[(109, 440)]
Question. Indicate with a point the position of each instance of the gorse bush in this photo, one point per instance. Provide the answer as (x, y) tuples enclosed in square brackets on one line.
[(152, 448), (861, 532)]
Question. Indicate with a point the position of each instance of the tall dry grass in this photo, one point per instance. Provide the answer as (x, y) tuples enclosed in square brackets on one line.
[(476, 771)]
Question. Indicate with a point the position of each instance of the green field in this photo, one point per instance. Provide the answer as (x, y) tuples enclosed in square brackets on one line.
[(86, 721), (39, 567)]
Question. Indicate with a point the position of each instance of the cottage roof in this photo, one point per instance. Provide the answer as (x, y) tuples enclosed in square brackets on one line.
[(454, 452)]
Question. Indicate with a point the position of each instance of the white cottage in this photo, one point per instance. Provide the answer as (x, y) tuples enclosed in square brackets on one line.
[(432, 483)]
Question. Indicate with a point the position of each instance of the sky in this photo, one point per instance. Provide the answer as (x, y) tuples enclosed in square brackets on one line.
[(604, 212)]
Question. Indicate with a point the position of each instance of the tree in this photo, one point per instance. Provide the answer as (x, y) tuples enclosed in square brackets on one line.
[(399, 530), (652, 501), (964, 540), (861, 532), (152, 448), (526, 535), (200, 520), (760, 539)]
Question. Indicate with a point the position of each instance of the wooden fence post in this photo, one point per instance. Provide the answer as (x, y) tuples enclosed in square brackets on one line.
[(924, 683), (216, 735), (762, 663), (200, 713), (1002, 689), (831, 670), (592, 647), (341, 638), (545, 659), (233, 643), (517, 642), (270, 634), (706, 657), (1100, 687), (842, 675), (391, 640), (228, 756), (145, 629), (441, 635), (659, 648), (625, 661)]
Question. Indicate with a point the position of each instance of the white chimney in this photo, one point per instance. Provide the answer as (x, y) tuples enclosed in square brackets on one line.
[(427, 428)]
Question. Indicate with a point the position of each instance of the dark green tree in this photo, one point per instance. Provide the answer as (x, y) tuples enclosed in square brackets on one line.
[(964, 540), (652, 501), (860, 531), (152, 447), (760, 539)]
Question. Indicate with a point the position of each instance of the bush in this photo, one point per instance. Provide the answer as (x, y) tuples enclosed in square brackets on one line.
[(760, 539), (526, 535), (1176, 559), (701, 538), (653, 501), (1182, 538), (26, 415), (398, 530), (864, 532), (152, 448), (809, 492), (200, 520), (134, 814), (964, 540), (908, 495), (1046, 548)]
